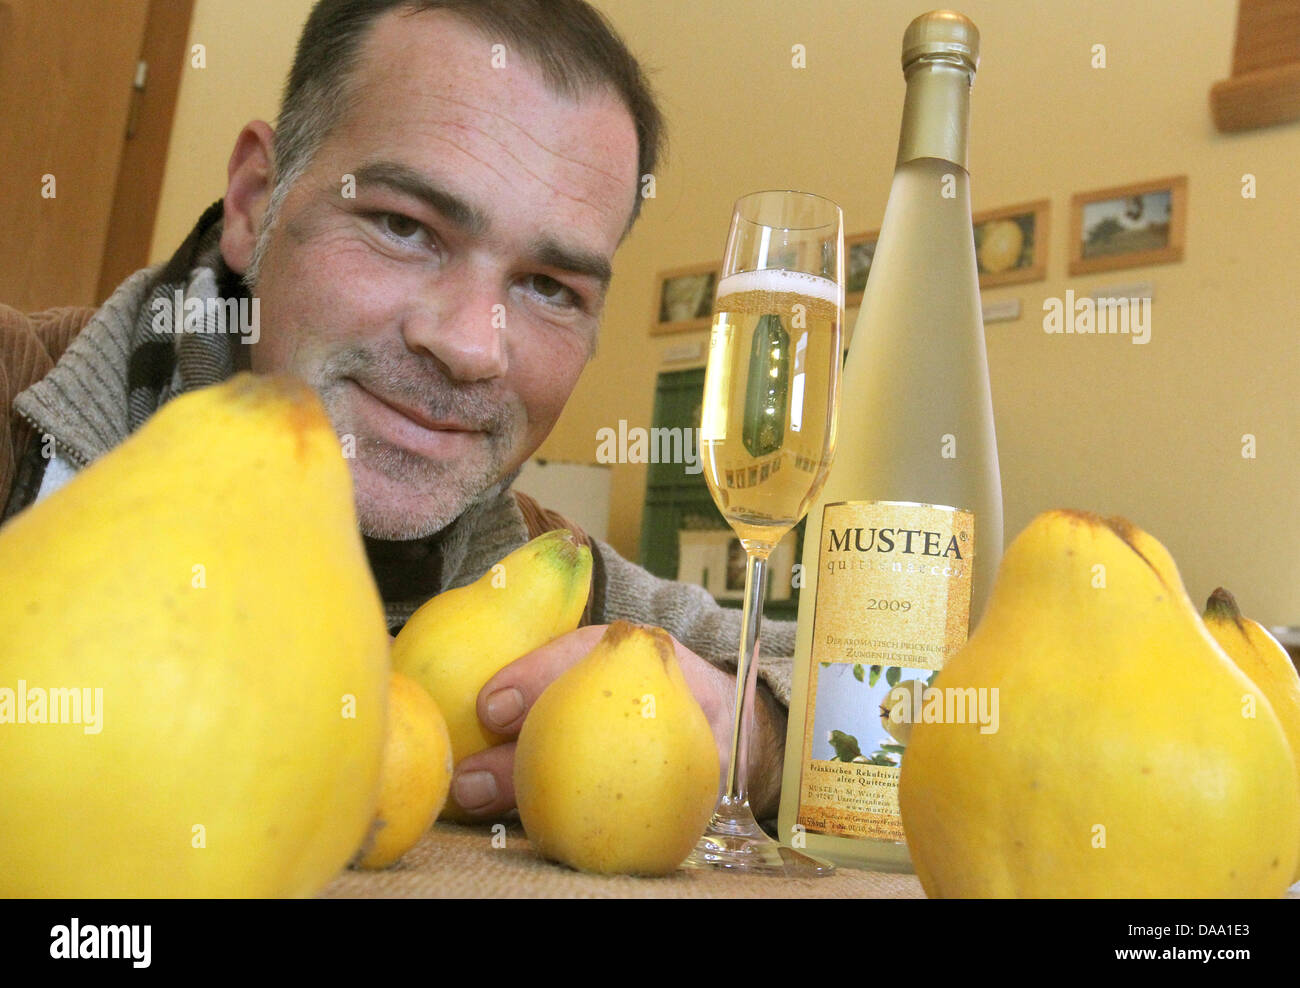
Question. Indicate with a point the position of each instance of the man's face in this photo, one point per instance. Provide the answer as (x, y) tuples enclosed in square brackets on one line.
[(445, 313)]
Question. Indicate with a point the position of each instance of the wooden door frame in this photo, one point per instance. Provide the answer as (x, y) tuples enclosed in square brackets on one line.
[(144, 153)]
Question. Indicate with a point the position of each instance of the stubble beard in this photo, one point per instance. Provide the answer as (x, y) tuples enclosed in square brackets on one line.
[(433, 493)]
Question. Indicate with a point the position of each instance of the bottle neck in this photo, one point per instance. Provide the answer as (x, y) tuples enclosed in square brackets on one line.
[(936, 111)]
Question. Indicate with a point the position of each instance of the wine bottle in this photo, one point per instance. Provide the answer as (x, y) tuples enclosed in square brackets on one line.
[(902, 545)]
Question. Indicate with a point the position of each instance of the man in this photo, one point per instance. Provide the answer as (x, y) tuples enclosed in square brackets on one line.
[(429, 237)]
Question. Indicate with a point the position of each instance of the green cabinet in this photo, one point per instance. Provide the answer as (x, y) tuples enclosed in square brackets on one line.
[(677, 499)]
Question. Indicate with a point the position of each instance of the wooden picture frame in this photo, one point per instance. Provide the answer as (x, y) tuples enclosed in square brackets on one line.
[(684, 298), (706, 558), (1128, 226), (1022, 230), (859, 253), (715, 559)]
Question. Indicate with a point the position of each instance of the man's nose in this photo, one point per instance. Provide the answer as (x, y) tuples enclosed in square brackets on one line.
[(464, 329)]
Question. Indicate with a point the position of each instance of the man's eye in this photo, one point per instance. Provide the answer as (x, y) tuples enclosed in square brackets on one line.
[(552, 291), (399, 226)]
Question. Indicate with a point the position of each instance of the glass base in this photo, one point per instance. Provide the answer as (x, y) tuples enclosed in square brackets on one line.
[(735, 841)]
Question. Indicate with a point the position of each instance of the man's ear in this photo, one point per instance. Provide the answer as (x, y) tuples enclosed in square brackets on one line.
[(248, 191)]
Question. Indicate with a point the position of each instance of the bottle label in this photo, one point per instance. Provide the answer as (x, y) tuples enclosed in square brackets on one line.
[(893, 602)]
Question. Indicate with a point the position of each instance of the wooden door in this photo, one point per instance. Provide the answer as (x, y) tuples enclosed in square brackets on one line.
[(68, 75)]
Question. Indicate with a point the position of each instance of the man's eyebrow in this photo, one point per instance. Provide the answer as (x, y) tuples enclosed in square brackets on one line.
[(554, 254), (546, 251), (409, 182)]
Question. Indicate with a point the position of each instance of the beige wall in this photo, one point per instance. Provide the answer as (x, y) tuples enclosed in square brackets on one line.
[(1151, 432), (249, 48)]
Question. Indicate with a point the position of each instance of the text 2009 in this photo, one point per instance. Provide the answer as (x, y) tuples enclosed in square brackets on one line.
[(881, 604)]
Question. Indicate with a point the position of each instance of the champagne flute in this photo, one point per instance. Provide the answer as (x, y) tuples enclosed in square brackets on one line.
[(767, 435)]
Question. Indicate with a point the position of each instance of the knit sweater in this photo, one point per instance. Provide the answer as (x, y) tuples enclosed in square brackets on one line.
[(113, 374)]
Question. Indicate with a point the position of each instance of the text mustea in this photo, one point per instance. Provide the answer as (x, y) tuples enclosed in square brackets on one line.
[(888, 539)]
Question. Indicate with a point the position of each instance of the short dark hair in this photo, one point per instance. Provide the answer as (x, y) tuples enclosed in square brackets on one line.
[(569, 41)]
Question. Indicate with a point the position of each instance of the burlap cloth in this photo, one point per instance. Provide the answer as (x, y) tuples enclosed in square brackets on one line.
[(455, 862), (458, 862)]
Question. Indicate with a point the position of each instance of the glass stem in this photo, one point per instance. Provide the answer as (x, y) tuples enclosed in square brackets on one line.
[(737, 793)]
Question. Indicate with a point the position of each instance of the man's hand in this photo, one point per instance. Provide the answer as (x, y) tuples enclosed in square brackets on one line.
[(484, 782)]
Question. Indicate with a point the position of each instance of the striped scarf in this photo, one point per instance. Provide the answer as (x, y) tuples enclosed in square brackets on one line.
[(163, 365)]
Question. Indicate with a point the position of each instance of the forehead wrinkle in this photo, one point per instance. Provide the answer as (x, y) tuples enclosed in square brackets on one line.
[(555, 189), (522, 165), (505, 179), (370, 56), (509, 122)]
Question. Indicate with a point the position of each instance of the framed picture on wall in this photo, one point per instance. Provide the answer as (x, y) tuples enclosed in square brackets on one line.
[(715, 560), (1128, 226), (859, 252), (709, 559), (684, 298), (1011, 243)]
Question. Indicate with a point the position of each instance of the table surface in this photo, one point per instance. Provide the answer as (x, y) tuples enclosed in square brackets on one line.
[(459, 862), (454, 861)]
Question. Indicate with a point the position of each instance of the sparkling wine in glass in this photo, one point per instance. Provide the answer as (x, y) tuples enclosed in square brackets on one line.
[(767, 435)]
